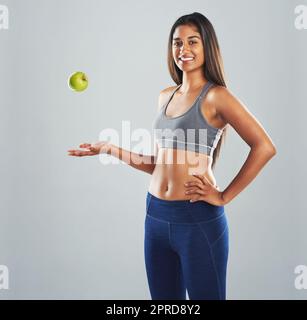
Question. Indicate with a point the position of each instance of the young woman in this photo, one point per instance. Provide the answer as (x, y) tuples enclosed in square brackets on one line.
[(186, 230)]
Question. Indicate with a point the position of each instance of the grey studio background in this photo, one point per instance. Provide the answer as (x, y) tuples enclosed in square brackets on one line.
[(72, 228)]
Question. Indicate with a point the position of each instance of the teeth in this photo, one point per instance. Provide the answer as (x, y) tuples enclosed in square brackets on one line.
[(184, 59)]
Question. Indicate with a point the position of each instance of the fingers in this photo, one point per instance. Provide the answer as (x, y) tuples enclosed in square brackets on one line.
[(71, 152), (92, 148), (80, 153), (197, 198), (202, 178), (194, 183), (196, 191)]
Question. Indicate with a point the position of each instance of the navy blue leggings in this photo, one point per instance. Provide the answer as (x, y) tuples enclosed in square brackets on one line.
[(186, 248)]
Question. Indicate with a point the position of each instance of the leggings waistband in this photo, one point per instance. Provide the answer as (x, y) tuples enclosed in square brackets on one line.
[(182, 211)]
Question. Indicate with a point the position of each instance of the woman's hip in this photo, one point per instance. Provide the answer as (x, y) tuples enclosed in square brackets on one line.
[(182, 211)]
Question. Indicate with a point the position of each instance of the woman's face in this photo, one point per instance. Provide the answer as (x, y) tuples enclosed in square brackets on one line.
[(187, 43)]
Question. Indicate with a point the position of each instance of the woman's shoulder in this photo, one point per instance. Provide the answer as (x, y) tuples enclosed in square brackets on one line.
[(218, 92), (169, 89), (165, 95), (218, 95)]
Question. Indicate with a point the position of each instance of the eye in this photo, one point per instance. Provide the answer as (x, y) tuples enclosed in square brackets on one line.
[(178, 43)]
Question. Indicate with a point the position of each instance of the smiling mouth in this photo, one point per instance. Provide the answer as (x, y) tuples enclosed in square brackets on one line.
[(186, 60)]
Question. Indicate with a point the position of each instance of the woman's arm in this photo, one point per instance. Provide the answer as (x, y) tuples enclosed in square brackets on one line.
[(137, 161), (233, 112)]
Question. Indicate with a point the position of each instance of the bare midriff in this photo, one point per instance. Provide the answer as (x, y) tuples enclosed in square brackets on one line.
[(174, 167)]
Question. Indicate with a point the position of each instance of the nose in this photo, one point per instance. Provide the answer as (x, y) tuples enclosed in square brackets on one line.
[(185, 53), (185, 49)]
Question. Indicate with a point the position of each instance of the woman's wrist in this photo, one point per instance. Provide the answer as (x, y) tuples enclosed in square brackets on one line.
[(107, 148)]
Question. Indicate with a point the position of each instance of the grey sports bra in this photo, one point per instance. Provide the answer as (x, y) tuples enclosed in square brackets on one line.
[(189, 131)]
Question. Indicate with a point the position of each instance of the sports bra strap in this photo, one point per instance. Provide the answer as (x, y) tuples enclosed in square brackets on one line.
[(205, 89)]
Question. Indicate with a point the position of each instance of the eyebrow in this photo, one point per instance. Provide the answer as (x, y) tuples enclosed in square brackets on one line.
[(188, 37)]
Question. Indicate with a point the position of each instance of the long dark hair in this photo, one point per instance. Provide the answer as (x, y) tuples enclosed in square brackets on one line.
[(213, 67)]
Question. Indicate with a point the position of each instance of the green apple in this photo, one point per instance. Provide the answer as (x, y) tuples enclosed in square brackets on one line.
[(78, 81)]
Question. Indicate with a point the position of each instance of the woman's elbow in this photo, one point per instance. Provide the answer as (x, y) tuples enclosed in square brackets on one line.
[(274, 150), (267, 148), (270, 149)]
